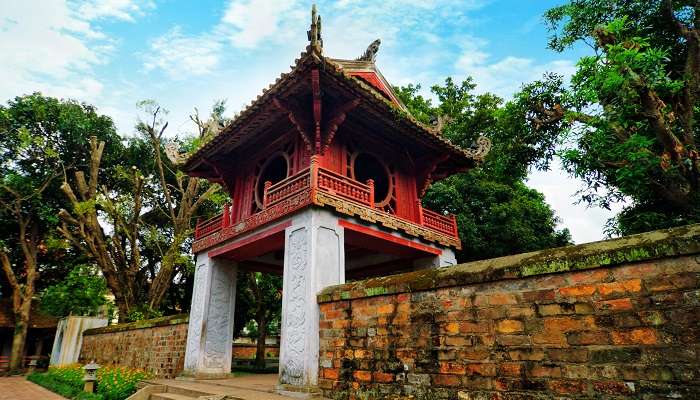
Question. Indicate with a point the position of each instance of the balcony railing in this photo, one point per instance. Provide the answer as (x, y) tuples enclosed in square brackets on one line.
[(319, 179)]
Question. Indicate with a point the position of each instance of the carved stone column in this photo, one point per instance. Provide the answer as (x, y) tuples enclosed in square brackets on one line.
[(210, 331), (314, 258)]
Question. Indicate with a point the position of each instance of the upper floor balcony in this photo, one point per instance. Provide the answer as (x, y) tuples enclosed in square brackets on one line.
[(321, 187)]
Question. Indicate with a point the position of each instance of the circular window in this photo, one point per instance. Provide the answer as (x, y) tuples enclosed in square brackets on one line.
[(365, 166), (274, 170)]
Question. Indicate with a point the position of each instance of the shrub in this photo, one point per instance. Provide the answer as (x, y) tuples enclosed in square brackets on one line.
[(118, 383), (113, 383)]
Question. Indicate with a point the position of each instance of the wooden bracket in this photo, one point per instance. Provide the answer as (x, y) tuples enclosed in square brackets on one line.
[(338, 117), (316, 92), (426, 178), (295, 116)]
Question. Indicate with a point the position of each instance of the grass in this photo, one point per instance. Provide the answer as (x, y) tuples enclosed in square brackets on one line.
[(113, 383)]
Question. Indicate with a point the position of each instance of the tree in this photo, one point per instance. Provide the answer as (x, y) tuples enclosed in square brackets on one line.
[(152, 214), (629, 112), (267, 308), (39, 137), (497, 213), (82, 292)]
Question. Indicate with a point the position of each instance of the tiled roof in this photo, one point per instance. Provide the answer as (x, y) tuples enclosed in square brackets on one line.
[(356, 84)]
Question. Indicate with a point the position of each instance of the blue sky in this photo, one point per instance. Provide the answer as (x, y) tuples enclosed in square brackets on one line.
[(186, 54)]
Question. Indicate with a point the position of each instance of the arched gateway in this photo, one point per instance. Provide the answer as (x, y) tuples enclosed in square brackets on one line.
[(325, 171)]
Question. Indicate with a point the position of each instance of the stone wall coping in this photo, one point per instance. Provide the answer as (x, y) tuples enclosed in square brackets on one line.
[(144, 324), (680, 241)]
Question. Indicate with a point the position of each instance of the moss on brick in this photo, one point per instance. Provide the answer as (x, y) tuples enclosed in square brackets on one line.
[(144, 324), (635, 248)]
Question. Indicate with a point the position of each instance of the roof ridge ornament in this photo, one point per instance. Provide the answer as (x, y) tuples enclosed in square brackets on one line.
[(371, 53), (314, 32)]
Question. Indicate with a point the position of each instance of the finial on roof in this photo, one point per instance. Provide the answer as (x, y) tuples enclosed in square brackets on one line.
[(314, 33), (371, 53)]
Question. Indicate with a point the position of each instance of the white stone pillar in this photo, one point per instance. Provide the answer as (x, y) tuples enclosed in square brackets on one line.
[(314, 258), (210, 331), (445, 259)]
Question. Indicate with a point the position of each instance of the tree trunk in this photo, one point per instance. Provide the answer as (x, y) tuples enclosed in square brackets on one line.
[(262, 336), (19, 338)]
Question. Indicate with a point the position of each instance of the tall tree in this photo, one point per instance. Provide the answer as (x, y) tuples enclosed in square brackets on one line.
[(155, 215), (629, 112), (497, 213), (39, 138)]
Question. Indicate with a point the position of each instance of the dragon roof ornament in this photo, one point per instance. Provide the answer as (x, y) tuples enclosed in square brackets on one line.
[(314, 32), (371, 53)]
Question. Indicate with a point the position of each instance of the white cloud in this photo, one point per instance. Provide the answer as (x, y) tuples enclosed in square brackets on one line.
[(254, 21), (123, 10), (585, 223), (51, 46), (505, 76), (180, 56)]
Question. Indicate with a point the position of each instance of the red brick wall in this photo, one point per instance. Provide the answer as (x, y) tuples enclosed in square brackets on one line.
[(247, 351), (157, 346), (621, 330)]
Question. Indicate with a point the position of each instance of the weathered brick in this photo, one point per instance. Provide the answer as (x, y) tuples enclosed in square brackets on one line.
[(577, 291), (446, 380), (545, 371), (635, 336), (623, 288), (452, 368), (383, 377), (362, 376), (624, 304), (588, 338), (509, 326), (567, 387)]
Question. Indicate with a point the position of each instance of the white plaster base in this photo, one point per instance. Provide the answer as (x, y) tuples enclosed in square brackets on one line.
[(446, 259), (69, 338), (314, 259), (210, 331)]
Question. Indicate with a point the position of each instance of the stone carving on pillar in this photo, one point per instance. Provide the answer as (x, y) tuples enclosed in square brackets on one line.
[(196, 315), (293, 369), (218, 320)]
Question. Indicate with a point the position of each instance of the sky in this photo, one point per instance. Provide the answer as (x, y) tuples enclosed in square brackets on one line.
[(187, 54)]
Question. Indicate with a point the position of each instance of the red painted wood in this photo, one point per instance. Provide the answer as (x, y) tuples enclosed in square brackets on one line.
[(253, 246), (390, 239)]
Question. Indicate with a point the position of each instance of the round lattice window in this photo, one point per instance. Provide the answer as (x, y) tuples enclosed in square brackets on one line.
[(275, 169), (366, 166)]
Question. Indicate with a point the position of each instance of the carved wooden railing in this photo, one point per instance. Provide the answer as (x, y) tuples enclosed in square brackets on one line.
[(206, 228), (442, 223), (317, 178), (286, 188), (343, 186)]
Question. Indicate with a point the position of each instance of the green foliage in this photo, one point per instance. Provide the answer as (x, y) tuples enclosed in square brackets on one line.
[(82, 292), (66, 388), (627, 119), (497, 213), (113, 383), (141, 312)]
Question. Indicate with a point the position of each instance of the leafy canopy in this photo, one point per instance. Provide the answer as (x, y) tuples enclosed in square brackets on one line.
[(497, 214)]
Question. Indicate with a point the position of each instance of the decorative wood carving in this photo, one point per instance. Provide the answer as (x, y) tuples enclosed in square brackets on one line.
[(296, 118), (346, 196), (316, 93), (263, 217), (338, 117)]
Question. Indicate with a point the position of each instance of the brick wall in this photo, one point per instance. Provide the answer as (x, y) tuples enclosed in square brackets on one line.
[(614, 319), (247, 351), (156, 345)]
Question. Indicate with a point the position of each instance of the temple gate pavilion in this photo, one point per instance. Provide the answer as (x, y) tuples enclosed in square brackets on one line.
[(325, 171)]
